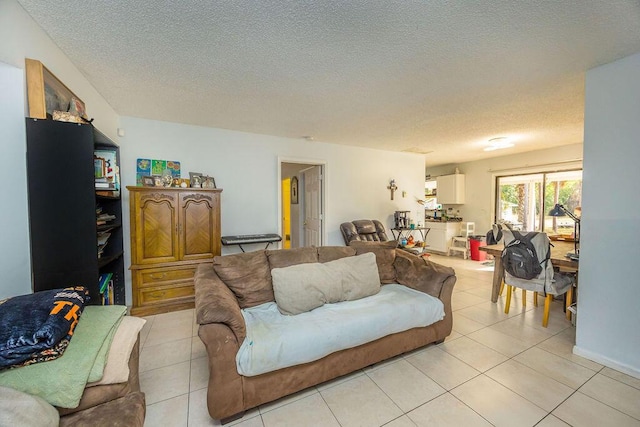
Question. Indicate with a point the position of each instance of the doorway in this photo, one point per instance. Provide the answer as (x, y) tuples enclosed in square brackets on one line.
[(302, 203)]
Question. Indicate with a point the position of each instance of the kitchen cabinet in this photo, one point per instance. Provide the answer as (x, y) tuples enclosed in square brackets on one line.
[(451, 189), (173, 230), (440, 235)]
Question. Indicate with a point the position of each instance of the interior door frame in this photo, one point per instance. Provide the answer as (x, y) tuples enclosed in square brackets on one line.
[(324, 187)]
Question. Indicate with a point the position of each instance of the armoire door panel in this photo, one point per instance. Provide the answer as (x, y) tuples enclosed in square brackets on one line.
[(197, 226), (158, 223)]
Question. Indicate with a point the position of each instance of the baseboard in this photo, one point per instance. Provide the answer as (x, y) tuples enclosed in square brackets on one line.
[(609, 363)]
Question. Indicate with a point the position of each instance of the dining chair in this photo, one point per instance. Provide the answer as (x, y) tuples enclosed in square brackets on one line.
[(548, 283)]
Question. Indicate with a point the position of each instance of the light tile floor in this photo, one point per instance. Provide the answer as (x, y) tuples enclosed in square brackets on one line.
[(494, 369)]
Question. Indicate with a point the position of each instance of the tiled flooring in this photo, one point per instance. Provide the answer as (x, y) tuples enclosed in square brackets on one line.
[(494, 369)]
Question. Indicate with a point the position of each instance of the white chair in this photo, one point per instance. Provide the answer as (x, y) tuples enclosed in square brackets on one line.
[(548, 282)]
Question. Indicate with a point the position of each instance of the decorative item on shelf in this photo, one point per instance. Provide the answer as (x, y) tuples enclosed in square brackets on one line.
[(157, 181), (196, 179), (294, 190), (208, 182), (167, 178), (49, 97), (560, 210), (148, 181), (392, 187), (147, 167)]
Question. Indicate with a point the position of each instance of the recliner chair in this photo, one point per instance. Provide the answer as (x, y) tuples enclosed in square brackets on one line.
[(365, 230)]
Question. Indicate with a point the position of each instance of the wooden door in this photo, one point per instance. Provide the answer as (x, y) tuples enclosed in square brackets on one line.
[(313, 206), (156, 227), (199, 229)]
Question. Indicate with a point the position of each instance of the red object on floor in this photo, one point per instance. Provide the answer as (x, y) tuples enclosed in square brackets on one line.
[(476, 253)]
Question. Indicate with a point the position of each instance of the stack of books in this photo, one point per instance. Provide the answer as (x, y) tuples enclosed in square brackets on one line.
[(105, 184), (103, 218), (105, 282)]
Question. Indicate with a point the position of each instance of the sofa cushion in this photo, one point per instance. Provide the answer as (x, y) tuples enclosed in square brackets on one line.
[(303, 287), (332, 253), (279, 258), (275, 341), (385, 256), (247, 275), (21, 409), (127, 411)]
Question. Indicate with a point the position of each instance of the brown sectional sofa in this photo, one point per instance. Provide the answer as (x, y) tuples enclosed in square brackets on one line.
[(240, 281)]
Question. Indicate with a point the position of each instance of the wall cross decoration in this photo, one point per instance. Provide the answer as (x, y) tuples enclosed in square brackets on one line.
[(392, 187)]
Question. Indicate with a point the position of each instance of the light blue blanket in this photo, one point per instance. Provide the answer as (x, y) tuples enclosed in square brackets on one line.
[(275, 341)]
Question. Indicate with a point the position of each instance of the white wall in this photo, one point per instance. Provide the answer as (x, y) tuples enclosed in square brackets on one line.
[(245, 166), (21, 37), (480, 177), (609, 291), (15, 267)]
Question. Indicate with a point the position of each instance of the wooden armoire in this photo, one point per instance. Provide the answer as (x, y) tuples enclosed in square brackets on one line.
[(173, 230)]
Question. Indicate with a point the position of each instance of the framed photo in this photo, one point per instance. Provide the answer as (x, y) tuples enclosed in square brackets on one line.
[(99, 167), (208, 182), (46, 94), (195, 178), (157, 181), (294, 190), (148, 181)]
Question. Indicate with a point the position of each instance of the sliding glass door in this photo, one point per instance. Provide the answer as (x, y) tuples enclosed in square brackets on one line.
[(524, 201)]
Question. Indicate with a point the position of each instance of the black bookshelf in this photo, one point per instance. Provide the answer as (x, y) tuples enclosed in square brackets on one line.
[(62, 209)]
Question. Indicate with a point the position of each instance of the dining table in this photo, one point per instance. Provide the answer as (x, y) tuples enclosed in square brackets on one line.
[(558, 257)]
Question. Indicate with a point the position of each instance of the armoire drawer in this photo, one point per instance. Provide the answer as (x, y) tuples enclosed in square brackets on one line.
[(165, 294), (156, 276)]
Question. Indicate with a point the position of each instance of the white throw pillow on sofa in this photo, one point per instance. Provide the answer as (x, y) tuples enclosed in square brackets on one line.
[(303, 287)]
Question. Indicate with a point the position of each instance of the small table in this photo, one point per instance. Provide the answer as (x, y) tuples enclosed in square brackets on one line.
[(250, 238), (558, 259), (406, 231)]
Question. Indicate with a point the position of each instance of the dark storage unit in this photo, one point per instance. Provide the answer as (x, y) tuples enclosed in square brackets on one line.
[(62, 209)]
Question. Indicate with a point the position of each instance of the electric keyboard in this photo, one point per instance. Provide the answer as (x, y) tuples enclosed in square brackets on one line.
[(243, 239)]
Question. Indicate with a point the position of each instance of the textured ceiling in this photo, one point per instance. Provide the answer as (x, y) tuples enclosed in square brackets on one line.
[(440, 77)]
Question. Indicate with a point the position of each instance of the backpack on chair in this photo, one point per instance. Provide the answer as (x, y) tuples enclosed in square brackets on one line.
[(519, 257), (494, 235)]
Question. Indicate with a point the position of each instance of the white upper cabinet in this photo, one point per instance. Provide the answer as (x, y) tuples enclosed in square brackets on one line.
[(451, 189)]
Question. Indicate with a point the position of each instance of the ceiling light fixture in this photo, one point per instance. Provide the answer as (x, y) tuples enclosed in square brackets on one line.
[(498, 143)]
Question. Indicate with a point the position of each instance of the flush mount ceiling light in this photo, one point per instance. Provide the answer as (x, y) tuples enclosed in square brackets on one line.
[(498, 143)]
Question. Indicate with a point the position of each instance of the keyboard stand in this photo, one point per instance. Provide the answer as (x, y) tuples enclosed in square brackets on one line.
[(250, 238)]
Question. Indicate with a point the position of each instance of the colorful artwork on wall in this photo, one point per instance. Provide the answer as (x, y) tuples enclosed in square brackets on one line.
[(150, 167)]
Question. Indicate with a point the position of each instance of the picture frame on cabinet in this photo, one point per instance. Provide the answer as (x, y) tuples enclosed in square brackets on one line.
[(148, 181), (195, 178), (208, 182)]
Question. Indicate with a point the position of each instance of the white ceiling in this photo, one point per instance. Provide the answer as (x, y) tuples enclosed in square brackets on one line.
[(440, 77)]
